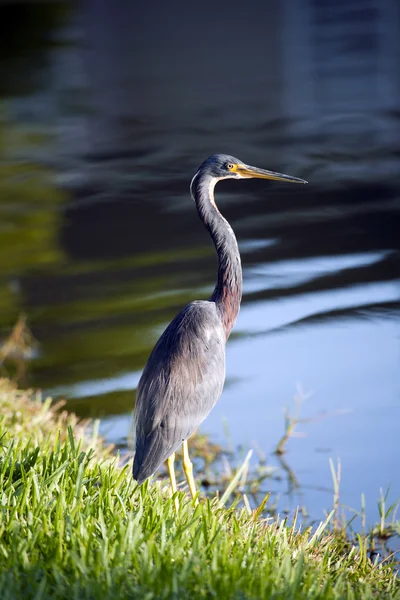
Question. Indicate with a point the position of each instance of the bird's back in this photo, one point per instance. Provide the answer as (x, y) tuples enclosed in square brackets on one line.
[(182, 381)]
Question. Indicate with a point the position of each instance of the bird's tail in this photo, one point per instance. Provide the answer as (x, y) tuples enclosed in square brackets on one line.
[(150, 454)]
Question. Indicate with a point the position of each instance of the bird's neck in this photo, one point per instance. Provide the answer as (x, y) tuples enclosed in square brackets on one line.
[(227, 294)]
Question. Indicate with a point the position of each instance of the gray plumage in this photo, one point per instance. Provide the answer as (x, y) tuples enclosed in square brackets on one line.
[(185, 373), (182, 381)]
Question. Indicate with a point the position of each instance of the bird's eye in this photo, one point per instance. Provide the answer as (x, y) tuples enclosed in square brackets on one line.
[(229, 166)]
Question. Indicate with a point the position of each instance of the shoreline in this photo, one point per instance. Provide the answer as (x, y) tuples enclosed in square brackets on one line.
[(74, 524)]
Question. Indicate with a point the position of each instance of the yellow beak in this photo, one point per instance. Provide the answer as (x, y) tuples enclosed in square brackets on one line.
[(248, 172)]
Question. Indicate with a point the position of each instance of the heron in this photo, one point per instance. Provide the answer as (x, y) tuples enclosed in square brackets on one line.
[(185, 373)]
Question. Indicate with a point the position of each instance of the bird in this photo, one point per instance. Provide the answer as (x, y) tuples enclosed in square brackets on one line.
[(185, 373)]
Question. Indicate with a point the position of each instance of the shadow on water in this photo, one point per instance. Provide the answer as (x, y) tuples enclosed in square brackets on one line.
[(104, 120)]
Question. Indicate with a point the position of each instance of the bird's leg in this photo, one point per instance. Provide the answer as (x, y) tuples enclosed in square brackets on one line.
[(171, 471), (188, 468)]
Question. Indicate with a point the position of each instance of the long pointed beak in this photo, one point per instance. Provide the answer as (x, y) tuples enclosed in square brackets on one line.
[(248, 171)]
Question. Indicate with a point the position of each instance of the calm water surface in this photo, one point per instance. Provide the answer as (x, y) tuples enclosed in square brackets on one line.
[(101, 244)]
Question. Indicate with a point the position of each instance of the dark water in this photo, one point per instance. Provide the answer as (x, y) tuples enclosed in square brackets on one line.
[(106, 115)]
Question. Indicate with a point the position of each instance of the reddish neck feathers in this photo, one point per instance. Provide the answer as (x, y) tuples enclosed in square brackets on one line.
[(227, 294)]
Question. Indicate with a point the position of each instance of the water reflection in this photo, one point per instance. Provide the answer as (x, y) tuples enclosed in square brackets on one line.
[(293, 273), (105, 117)]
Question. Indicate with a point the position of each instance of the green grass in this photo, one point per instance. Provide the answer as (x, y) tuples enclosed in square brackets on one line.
[(73, 524)]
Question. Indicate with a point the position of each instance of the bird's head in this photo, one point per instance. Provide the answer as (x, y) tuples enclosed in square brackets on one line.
[(223, 166)]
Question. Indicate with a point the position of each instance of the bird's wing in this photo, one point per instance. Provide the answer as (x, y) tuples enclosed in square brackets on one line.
[(180, 384)]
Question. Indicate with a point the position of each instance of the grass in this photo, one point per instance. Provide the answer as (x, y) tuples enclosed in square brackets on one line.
[(73, 524)]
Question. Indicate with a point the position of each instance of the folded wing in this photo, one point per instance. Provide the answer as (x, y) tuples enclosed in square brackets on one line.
[(182, 381)]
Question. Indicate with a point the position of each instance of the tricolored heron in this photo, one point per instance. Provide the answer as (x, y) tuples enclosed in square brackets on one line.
[(185, 373)]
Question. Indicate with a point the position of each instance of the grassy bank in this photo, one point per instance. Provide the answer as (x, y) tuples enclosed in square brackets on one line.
[(73, 524)]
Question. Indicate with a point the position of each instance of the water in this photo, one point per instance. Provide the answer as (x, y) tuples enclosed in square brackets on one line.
[(105, 118)]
